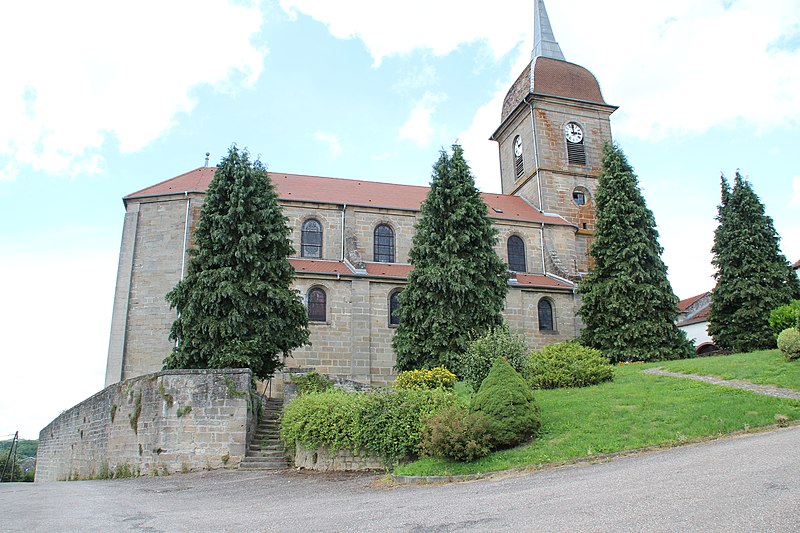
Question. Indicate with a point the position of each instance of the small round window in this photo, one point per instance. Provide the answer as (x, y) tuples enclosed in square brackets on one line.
[(580, 196)]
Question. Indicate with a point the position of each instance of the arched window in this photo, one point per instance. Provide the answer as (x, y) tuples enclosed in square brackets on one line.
[(317, 300), (516, 254), (394, 307), (311, 239), (383, 250), (545, 315)]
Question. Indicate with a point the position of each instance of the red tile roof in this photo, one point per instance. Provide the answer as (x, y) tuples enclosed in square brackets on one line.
[(696, 319), (796, 265), (390, 270), (319, 266), (401, 271), (352, 192), (537, 280), (684, 304), (568, 80), (552, 77)]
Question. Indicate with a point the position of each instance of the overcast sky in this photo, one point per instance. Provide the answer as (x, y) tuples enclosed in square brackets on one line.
[(99, 99)]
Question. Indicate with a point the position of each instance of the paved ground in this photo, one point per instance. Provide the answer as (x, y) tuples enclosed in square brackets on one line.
[(749, 483)]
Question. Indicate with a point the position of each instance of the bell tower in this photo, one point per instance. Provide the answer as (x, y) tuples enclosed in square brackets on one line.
[(554, 123)]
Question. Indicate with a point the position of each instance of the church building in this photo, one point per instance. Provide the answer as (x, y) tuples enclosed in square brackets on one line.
[(352, 238)]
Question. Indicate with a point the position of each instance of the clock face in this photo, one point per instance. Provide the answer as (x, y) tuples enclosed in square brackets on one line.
[(518, 146), (573, 132)]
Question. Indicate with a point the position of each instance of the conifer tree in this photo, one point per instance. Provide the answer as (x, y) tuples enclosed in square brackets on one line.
[(457, 289), (236, 307), (753, 276), (628, 306)]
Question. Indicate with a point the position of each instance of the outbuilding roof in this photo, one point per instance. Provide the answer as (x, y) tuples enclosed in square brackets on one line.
[(319, 189)]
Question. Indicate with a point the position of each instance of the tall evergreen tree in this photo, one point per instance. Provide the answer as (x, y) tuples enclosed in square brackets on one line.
[(236, 307), (457, 289), (628, 306), (753, 276)]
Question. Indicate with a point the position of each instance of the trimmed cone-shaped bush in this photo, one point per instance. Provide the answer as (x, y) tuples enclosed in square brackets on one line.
[(789, 343), (507, 401)]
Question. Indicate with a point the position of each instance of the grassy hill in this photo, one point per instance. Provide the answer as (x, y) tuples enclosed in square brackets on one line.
[(639, 410)]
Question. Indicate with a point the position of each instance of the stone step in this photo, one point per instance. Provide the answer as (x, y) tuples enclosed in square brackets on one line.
[(275, 454), (257, 463), (267, 446)]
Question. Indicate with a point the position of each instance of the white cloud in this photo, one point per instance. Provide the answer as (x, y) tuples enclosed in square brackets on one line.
[(54, 335), (675, 67), (331, 140), (418, 127), (399, 27), (480, 152), (91, 72), (685, 66), (795, 199)]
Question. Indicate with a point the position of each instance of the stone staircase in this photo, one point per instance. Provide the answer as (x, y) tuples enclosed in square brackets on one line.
[(266, 451)]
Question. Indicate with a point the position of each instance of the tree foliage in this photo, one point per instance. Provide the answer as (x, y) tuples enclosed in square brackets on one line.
[(628, 306), (508, 403), (457, 289), (236, 307), (753, 276)]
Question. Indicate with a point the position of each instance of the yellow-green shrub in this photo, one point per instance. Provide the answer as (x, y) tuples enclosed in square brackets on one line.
[(433, 378), (789, 343), (567, 364)]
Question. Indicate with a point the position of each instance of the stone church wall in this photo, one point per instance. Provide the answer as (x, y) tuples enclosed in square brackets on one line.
[(156, 424), (355, 340), (521, 315)]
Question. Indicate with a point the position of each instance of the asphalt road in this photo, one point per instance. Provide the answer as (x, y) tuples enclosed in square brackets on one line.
[(749, 483)]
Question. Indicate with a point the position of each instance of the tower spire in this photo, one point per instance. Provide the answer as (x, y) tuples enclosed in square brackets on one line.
[(544, 42)]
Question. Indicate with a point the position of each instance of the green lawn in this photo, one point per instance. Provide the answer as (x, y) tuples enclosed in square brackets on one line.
[(767, 367), (634, 411)]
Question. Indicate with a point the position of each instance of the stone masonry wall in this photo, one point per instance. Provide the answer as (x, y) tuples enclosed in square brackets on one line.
[(323, 459), (157, 424)]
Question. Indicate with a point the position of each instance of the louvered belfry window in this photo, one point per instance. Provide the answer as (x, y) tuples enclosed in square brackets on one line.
[(576, 153)]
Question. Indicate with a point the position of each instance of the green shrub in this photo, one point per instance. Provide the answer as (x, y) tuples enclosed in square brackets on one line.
[(434, 378), (474, 364), (312, 382), (325, 419), (508, 403), (383, 423), (455, 433), (390, 422), (785, 316), (567, 364), (789, 343)]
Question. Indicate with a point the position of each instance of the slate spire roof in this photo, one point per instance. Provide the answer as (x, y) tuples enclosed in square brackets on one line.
[(544, 41)]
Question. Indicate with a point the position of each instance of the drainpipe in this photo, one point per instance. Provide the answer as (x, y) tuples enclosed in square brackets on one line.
[(536, 158), (541, 245), (185, 234), (344, 206)]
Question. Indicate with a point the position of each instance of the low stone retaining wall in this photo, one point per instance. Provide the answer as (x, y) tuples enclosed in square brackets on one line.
[(322, 459), (157, 424)]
